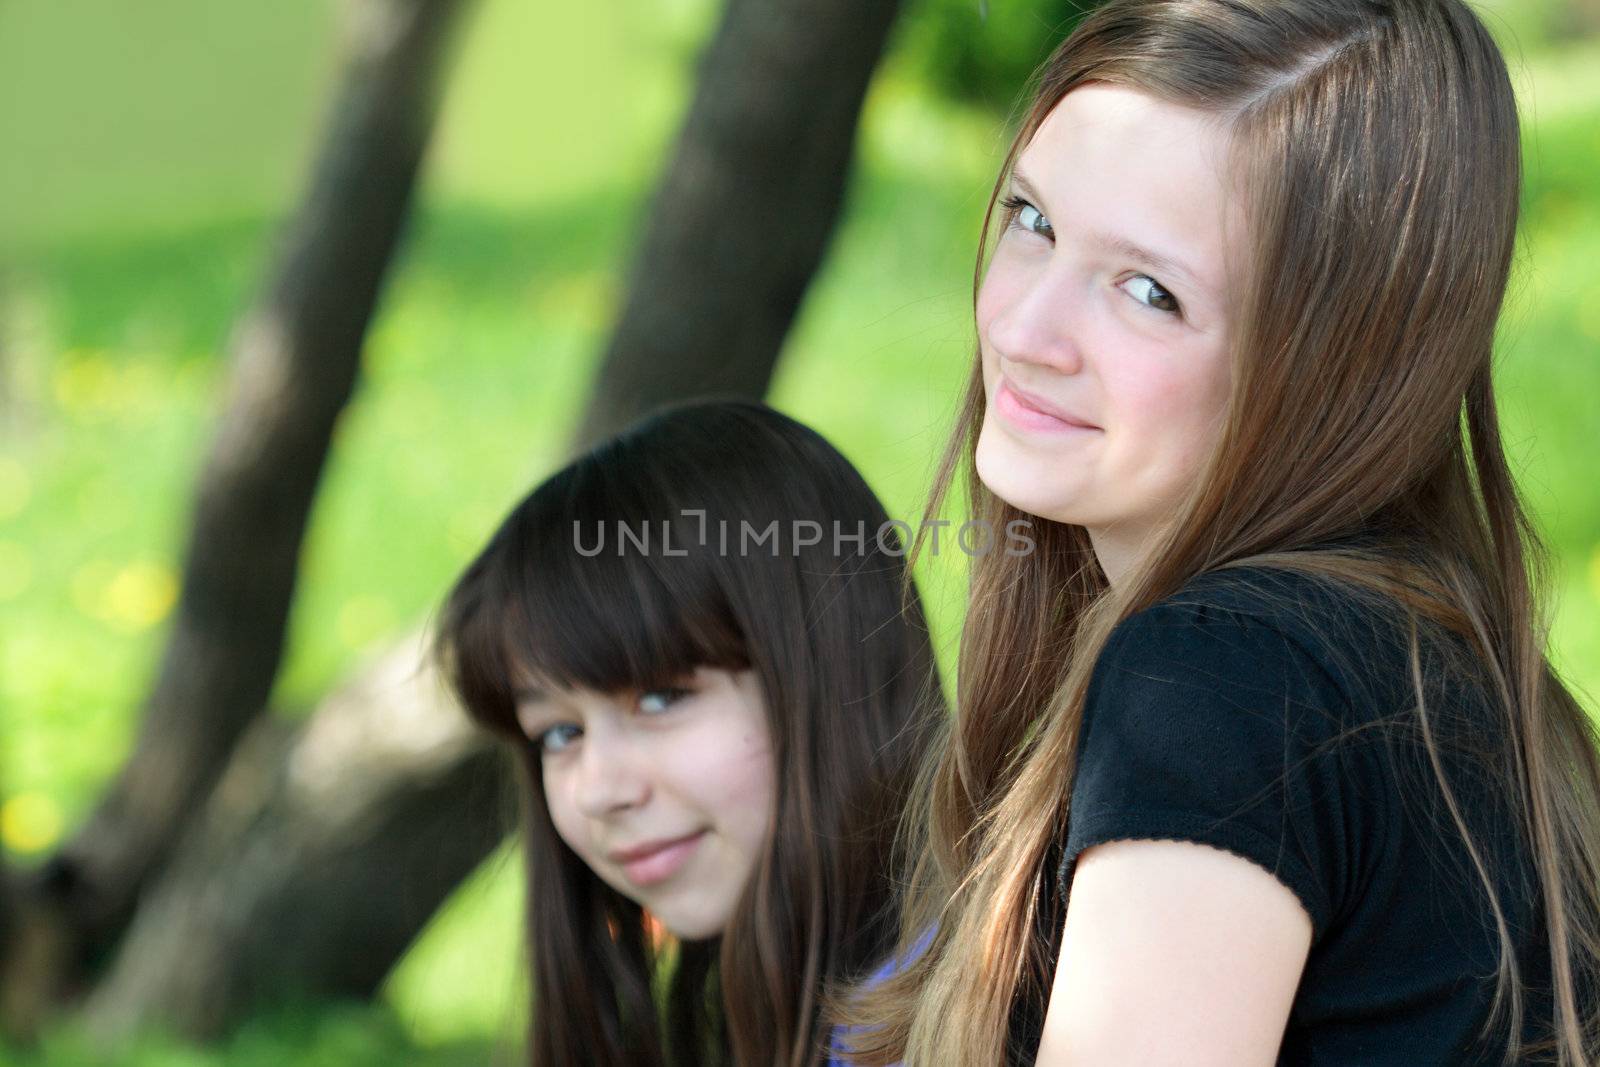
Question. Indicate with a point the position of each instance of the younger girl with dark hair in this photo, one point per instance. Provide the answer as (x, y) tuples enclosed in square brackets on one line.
[(693, 641)]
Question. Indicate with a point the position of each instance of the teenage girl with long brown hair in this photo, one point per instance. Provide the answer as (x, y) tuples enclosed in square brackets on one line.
[(692, 641), (1258, 757)]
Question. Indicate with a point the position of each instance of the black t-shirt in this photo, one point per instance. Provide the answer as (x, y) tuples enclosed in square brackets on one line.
[(1271, 714)]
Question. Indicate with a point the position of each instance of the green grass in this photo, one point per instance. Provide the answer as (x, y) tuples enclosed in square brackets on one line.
[(124, 280), (319, 1035)]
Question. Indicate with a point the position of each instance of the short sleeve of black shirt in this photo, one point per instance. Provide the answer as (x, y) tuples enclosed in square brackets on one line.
[(1209, 725), (1271, 716)]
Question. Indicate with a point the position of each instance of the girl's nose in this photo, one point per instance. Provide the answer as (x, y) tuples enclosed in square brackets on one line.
[(610, 778), (1035, 322)]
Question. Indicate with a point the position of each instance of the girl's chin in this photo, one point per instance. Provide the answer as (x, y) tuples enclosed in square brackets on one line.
[(1010, 483), (692, 928), (1033, 483)]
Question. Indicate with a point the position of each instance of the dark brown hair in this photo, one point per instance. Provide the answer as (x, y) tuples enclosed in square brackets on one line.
[(851, 691), (1377, 143)]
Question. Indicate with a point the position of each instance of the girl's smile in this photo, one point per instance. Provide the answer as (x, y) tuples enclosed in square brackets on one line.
[(655, 861), (1032, 414)]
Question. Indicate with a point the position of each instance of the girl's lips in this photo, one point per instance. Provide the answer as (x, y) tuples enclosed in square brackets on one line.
[(1026, 415), (656, 862)]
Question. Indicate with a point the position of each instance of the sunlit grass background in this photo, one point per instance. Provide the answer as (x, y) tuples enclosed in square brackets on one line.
[(148, 154)]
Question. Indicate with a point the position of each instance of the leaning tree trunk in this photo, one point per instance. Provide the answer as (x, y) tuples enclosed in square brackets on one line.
[(296, 357), (321, 854), (223, 930), (17, 1012), (1577, 19), (746, 207)]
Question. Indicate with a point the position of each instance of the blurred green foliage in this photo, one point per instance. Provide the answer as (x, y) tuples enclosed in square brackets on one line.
[(985, 51), (305, 1035), (140, 206)]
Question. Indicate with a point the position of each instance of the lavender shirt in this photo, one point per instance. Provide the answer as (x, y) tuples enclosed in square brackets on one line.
[(890, 966)]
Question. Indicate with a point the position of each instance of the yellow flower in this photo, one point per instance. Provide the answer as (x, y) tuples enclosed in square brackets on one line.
[(139, 596), (29, 822), (133, 597), (84, 381)]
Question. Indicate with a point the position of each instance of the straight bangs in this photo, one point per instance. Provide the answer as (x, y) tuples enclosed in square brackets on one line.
[(543, 607)]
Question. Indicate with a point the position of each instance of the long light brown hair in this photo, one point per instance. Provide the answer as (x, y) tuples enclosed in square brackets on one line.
[(852, 700), (1377, 144)]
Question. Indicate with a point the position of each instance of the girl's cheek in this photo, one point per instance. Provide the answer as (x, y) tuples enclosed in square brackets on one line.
[(998, 287), (761, 779), (1161, 398), (568, 826), (717, 770)]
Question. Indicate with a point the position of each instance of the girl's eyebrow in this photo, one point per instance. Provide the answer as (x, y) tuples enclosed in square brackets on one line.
[(1116, 243)]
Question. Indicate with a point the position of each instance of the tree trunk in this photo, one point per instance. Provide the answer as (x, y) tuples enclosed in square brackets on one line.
[(17, 1016), (320, 855), (1576, 19), (320, 892), (296, 357), (746, 207)]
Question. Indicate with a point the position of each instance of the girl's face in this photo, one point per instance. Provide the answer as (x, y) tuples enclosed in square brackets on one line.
[(667, 795), (1103, 319)]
